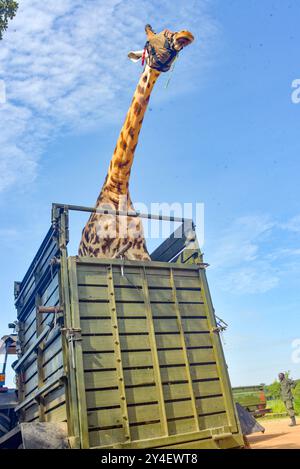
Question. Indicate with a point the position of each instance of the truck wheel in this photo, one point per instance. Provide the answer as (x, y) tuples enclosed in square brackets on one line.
[(5, 423)]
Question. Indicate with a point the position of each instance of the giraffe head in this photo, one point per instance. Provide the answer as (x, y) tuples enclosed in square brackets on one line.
[(162, 49), (182, 39)]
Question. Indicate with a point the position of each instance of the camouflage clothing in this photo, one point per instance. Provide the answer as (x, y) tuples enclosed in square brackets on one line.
[(286, 386)]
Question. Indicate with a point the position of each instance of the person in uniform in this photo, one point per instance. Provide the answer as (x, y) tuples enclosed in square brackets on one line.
[(286, 386)]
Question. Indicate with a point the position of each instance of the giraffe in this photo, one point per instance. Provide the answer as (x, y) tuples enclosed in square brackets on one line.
[(110, 236)]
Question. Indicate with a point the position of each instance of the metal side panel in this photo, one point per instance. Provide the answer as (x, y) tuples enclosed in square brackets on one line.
[(42, 360), (150, 367)]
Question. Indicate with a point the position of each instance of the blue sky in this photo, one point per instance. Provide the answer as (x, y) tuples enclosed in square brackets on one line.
[(225, 132)]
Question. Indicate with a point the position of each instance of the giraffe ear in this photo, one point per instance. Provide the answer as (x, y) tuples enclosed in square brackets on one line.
[(135, 56)]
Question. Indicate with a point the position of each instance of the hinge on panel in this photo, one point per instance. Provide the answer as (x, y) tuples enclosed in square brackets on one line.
[(221, 325), (72, 335)]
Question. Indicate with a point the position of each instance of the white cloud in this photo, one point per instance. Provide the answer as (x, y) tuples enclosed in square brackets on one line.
[(293, 224), (65, 69), (238, 243), (249, 257), (258, 278)]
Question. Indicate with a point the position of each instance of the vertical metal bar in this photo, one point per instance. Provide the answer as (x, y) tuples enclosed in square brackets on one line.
[(40, 351), (155, 358), (71, 401), (20, 372), (80, 383), (184, 350), (118, 354), (218, 351)]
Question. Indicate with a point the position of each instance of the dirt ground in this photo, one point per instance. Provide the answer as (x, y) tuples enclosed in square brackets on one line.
[(278, 435)]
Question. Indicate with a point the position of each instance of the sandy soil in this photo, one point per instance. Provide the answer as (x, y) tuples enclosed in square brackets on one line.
[(278, 435)]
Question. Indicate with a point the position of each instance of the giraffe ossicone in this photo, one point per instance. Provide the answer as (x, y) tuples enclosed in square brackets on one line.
[(111, 236)]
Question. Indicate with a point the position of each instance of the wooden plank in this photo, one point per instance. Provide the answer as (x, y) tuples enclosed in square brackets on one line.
[(135, 359), (185, 271), (105, 398), (98, 343), (92, 276), (59, 414), (53, 365), (176, 427), (135, 342), (142, 394), (179, 409), (30, 413), (207, 388), (54, 411), (155, 281), (137, 377), (30, 371), (103, 326), (210, 405), (30, 319), (130, 309), (161, 272), (107, 437), (31, 382), (192, 310), (161, 295), (100, 379), (173, 374), (111, 397), (166, 325), (186, 282), (144, 432), (204, 372), (104, 418), (50, 290), (129, 293), (92, 292), (165, 341), (170, 357), (176, 391), (189, 296), (129, 279), (93, 310), (142, 413), (99, 361), (113, 417), (192, 340), (201, 355), (167, 309), (213, 421), (54, 398), (96, 326), (52, 349), (198, 340)]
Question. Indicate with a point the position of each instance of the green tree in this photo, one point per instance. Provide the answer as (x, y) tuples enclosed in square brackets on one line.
[(8, 9), (296, 391), (273, 390)]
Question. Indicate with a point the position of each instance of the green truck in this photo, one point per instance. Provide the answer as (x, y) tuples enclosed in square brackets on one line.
[(120, 354), (252, 398)]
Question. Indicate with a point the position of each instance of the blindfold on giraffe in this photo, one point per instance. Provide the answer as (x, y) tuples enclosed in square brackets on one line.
[(162, 49)]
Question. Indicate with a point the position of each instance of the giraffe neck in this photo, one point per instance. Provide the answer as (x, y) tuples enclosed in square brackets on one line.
[(117, 180)]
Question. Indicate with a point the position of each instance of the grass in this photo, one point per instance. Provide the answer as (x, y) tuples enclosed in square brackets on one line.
[(278, 406)]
